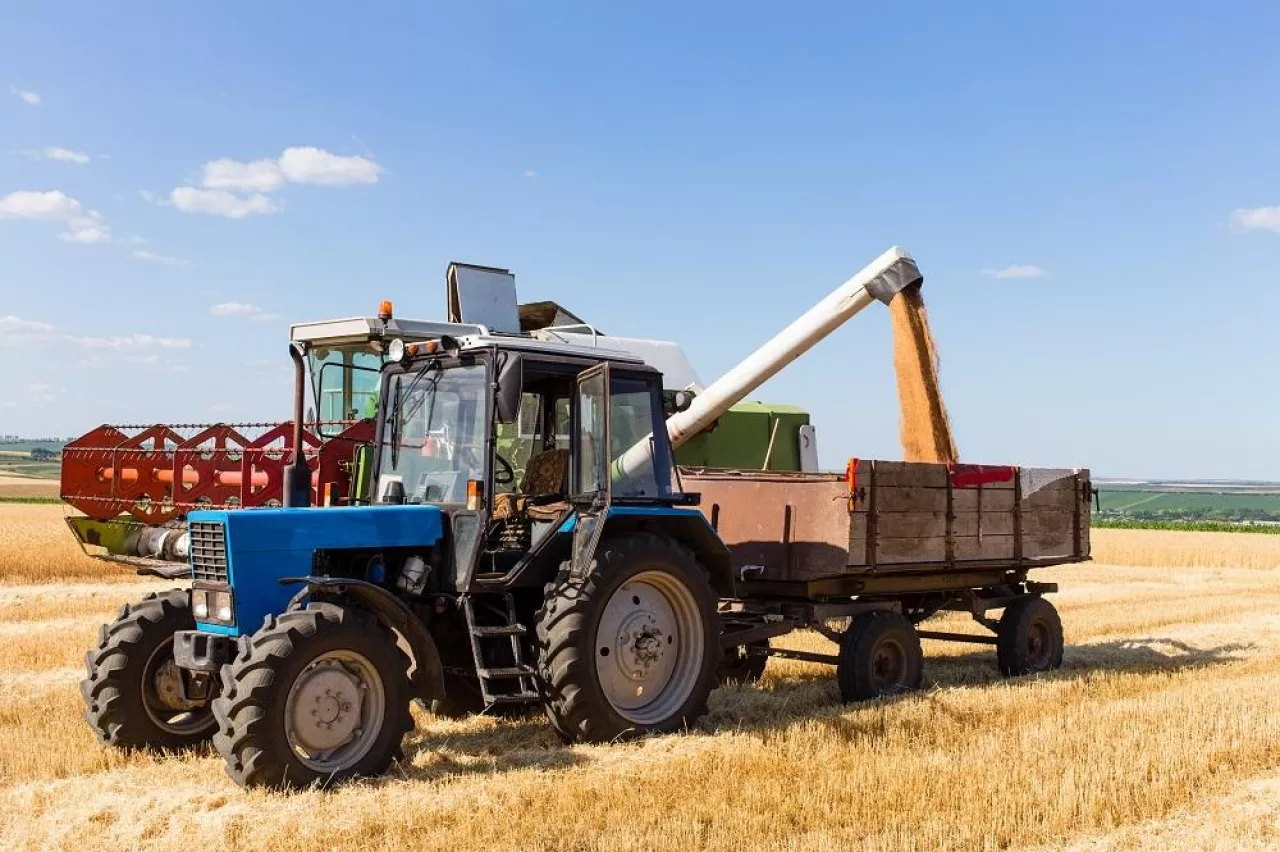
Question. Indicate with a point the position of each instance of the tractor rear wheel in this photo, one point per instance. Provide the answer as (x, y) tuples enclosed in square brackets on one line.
[(135, 696), (631, 648), (317, 696), (1029, 638), (879, 655)]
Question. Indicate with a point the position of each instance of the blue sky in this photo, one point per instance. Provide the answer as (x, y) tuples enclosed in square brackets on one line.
[(1091, 190)]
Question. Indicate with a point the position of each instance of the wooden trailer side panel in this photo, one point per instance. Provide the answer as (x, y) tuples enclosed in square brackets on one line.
[(896, 516)]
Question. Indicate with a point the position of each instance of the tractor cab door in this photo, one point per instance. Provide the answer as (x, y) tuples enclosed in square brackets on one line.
[(591, 487)]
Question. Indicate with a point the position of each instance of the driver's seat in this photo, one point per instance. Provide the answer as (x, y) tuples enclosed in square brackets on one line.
[(543, 488)]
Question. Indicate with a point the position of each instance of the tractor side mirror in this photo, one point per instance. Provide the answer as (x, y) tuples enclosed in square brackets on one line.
[(510, 386)]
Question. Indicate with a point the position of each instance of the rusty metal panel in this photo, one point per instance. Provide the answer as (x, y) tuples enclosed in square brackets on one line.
[(794, 526), (895, 516)]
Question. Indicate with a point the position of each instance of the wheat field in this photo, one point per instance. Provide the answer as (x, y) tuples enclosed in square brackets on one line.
[(1162, 731)]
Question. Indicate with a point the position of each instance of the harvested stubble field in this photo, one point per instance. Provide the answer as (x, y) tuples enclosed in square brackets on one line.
[(1162, 731)]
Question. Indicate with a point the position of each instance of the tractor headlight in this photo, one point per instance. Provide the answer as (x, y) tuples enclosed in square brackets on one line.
[(213, 605), (222, 607)]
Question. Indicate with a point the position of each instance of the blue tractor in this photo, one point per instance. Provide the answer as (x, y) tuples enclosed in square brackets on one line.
[(458, 578)]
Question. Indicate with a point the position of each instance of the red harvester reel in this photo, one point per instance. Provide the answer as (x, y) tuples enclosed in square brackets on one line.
[(159, 473)]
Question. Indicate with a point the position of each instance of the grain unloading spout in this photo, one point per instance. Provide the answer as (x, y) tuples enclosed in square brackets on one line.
[(880, 280)]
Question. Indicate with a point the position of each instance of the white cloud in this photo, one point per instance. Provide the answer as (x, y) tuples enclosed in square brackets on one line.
[(132, 341), (529, 173), (30, 98), (1016, 272), (66, 155), (236, 189), (154, 257), (151, 198), (255, 176), (220, 202), (88, 234), (17, 331), (241, 309), (15, 325), (315, 165), (1255, 218), (137, 240), (83, 226)]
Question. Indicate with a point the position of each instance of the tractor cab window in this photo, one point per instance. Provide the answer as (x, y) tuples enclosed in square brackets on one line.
[(621, 445), (433, 438), (631, 422), (345, 382)]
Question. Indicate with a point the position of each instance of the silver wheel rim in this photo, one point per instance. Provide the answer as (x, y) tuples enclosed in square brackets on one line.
[(334, 711), (162, 696), (649, 649)]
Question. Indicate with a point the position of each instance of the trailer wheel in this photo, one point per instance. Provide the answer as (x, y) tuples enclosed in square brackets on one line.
[(632, 648), (743, 663), (133, 692), (317, 696), (1029, 639), (879, 655)]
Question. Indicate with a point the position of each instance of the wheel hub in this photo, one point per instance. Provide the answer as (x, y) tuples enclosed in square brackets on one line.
[(887, 664), (649, 646), (327, 701)]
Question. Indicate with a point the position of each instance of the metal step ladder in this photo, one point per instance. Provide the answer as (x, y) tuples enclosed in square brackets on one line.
[(523, 673)]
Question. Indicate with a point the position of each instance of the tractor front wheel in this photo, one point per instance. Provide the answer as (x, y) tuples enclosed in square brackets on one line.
[(135, 695), (632, 647), (317, 696)]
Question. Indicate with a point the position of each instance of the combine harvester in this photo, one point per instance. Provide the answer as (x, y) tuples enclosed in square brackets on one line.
[(513, 517)]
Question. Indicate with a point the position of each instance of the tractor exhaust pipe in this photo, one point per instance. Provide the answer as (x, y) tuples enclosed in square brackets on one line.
[(297, 474), (880, 280)]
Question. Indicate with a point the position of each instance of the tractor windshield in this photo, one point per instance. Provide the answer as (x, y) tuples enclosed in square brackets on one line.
[(433, 438)]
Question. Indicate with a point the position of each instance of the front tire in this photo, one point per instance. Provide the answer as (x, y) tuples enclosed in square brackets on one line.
[(133, 692), (633, 647), (1029, 639), (317, 696), (879, 655)]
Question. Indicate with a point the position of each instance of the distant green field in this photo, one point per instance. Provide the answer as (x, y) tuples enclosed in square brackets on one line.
[(1158, 503), (28, 446), (1185, 526), (10, 466)]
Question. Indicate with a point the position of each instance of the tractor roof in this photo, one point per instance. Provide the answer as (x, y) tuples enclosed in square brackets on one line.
[(575, 339)]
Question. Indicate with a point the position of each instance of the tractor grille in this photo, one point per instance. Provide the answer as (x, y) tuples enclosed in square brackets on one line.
[(209, 552)]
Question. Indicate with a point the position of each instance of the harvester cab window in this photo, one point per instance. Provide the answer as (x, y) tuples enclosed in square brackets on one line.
[(345, 382)]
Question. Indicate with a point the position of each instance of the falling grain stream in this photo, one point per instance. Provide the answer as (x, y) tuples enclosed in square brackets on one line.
[(925, 429)]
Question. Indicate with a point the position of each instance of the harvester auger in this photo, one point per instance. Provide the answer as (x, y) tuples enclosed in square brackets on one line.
[(516, 521)]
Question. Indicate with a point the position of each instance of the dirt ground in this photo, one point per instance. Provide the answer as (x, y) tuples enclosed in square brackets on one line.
[(1161, 731)]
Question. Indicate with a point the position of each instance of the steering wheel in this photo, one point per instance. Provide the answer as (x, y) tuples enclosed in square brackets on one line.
[(471, 457)]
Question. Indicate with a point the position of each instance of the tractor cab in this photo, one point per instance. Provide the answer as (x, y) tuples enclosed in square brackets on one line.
[(508, 438)]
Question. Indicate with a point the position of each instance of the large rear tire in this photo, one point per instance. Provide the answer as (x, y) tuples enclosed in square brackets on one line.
[(317, 696), (632, 648), (133, 692)]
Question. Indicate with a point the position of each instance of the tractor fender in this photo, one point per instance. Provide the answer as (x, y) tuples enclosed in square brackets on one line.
[(428, 672), (687, 526)]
